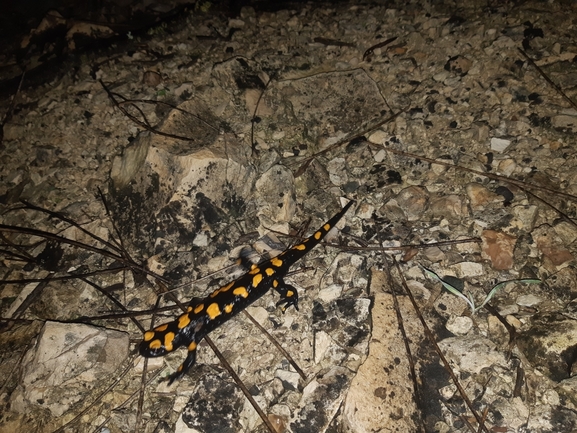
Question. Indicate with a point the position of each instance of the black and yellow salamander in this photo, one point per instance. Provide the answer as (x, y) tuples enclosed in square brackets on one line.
[(203, 316)]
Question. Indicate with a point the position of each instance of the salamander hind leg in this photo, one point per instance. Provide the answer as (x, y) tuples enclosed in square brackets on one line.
[(186, 365), (288, 295)]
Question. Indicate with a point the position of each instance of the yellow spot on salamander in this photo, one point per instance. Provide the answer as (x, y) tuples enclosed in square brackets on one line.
[(252, 266), (327, 227), (161, 328), (213, 310), (254, 270), (276, 262), (168, 338), (241, 291), (156, 344), (256, 280), (228, 308), (318, 235), (290, 294), (188, 309), (199, 308), (222, 289), (269, 271), (180, 367), (275, 283), (192, 346), (148, 335), (300, 247), (183, 321)]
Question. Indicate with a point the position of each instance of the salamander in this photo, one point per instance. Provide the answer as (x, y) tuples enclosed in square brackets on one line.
[(203, 316)]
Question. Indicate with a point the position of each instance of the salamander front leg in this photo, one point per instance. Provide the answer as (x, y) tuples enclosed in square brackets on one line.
[(288, 295), (185, 366)]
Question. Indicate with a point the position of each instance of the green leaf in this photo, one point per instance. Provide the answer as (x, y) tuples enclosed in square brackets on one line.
[(504, 283), (469, 298), (450, 288)]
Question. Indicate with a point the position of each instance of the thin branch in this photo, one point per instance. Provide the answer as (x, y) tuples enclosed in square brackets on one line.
[(493, 176), (277, 345), (432, 340), (551, 83)]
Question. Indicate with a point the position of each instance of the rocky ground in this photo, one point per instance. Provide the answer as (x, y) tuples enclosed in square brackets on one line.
[(165, 152)]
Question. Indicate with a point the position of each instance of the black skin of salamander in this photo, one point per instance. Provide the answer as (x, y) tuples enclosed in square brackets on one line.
[(222, 304)]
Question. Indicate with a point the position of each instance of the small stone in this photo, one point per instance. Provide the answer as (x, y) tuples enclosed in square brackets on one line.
[(438, 169), (450, 207), (379, 137), (442, 427), (467, 247), (499, 144), (365, 211), (480, 196), (472, 353), (505, 310), (564, 121), (498, 247), (413, 201), (551, 246), (434, 254), (497, 331), (467, 269), (393, 211), (236, 23), (322, 343), (337, 171), (183, 89), (526, 215), (566, 231), (441, 76), (528, 300), (507, 166), (551, 397), (380, 155), (330, 293), (513, 321), (290, 379), (151, 78), (459, 64), (480, 132), (418, 288), (459, 325), (259, 314)]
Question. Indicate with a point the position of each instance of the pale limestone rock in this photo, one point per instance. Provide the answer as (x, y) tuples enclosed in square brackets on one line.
[(381, 394), (67, 361), (472, 353), (459, 325)]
